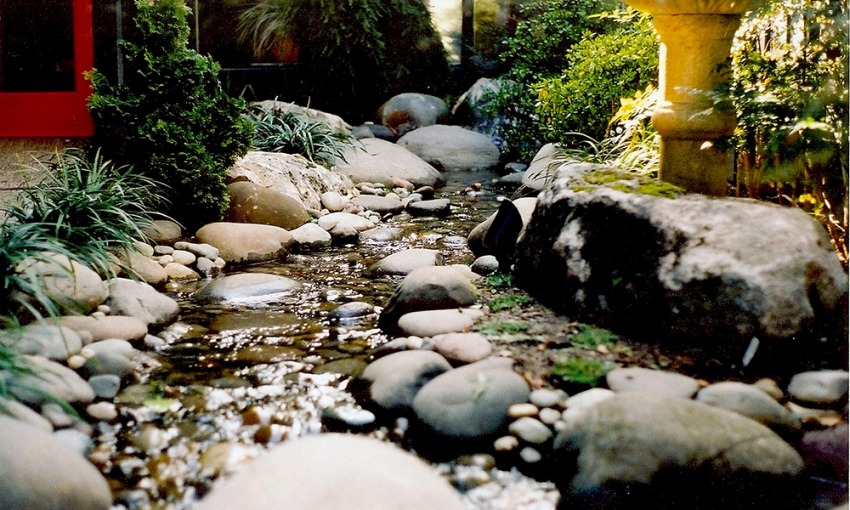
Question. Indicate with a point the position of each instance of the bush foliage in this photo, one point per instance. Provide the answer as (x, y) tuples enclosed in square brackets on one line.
[(352, 55), (170, 118)]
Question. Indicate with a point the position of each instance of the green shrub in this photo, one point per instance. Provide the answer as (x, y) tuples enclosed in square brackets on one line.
[(790, 92), (170, 118), (352, 55), (600, 71), (90, 207), (545, 32), (288, 132)]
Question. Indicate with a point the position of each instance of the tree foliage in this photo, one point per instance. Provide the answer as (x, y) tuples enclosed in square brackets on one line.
[(170, 118), (790, 65), (352, 55)]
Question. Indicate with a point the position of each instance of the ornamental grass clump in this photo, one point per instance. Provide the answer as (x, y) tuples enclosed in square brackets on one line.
[(170, 118), (287, 132), (89, 207)]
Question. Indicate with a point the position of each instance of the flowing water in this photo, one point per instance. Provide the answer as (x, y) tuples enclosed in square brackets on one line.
[(229, 380)]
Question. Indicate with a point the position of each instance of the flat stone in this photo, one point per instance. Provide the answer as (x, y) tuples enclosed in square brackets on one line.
[(40, 472), (352, 310), (180, 273), (749, 401), (402, 263), (820, 387), (68, 282), (51, 379), (110, 345), (199, 249), (652, 382), (381, 205), (100, 328), (431, 323), (463, 347), (246, 286), (341, 224), (184, 257), (381, 235), (254, 203), (435, 207), (308, 473), (452, 147), (147, 269), (105, 386)]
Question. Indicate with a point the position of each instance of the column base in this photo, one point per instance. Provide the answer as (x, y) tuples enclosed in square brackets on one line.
[(686, 164)]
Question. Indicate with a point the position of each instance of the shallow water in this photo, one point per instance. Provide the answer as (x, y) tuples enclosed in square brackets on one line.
[(232, 379)]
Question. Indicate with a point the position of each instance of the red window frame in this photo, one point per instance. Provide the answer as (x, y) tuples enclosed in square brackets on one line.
[(55, 114)]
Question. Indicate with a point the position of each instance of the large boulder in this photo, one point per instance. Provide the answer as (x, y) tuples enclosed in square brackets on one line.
[(632, 451), (313, 473), (384, 162), (693, 267), (290, 174), (140, 300), (452, 147), (410, 110), (38, 471), (246, 243), (253, 203)]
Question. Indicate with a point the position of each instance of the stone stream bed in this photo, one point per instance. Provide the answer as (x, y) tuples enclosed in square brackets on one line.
[(230, 380)]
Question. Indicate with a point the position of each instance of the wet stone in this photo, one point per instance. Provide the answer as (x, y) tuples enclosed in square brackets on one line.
[(348, 416), (352, 310), (485, 265), (381, 235), (106, 385), (246, 286), (435, 207), (108, 363), (347, 367)]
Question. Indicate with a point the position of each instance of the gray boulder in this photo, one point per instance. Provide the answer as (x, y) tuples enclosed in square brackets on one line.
[(401, 263), (452, 147), (50, 379), (393, 381), (140, 300), (541, 171), (290, 174), (470, 402), (253, 203), (692, 267), (246, 243), (382, 161), (312, 473), (632, 451), (429, 288), (246, 286), (39, 472), (410, 110)]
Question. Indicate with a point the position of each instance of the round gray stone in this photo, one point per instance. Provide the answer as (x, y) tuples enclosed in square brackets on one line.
[(749, 401), (435, 207), (652, 382), (140, 300), (429, 288), (470, 402), (395, 379), (402, 263), (431, 323), (820, 387)]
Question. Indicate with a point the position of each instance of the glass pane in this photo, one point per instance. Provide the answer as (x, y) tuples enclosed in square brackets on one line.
[(36, 46)]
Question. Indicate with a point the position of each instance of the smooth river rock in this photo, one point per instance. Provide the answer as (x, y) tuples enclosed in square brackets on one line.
[(393, 381), (437, 322), (429, 288), (140, 300), (633, 451), (383, 161), (331, 472), (246, 286), (246, 243), (452, 147), (402, 263), (40, 472), (254, 203)]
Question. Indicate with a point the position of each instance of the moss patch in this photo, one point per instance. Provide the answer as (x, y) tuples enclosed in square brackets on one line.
[(625, 182)]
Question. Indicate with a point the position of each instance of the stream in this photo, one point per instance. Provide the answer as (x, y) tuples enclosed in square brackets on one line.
[(229, 380)]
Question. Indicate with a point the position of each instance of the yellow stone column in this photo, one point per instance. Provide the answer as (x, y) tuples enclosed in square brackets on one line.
[(696, 38)]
